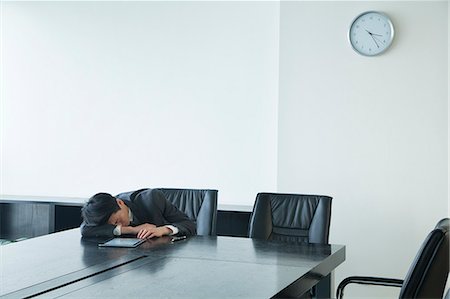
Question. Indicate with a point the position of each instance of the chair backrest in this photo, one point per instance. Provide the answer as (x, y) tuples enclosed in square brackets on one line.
[(428, 274), (199, 205), (291, 217)]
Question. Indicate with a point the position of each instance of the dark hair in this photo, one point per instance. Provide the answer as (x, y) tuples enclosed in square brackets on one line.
[(99, 208)]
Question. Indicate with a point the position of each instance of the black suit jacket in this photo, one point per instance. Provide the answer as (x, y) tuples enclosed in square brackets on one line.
[(147, 206)]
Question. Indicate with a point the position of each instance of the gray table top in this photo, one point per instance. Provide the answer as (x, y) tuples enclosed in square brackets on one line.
[(64, 264)]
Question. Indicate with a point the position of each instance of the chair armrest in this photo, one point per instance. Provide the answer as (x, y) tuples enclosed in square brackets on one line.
[(378, 281)]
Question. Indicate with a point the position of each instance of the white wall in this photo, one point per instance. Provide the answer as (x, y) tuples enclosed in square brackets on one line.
[(369, 131), (117, 96)]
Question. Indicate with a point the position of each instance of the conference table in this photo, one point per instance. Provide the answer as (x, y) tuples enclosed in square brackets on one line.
[(68, 266)]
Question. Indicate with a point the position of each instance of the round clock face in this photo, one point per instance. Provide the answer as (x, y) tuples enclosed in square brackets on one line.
[(371, 33)]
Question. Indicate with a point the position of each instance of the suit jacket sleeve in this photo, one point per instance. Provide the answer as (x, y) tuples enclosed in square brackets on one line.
[(172, 215), (105, 230)]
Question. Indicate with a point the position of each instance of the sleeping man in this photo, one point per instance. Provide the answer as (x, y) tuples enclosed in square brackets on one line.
[(145, 213)]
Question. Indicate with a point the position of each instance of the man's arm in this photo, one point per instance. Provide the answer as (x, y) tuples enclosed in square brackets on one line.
[(174, 216), (105, 230)]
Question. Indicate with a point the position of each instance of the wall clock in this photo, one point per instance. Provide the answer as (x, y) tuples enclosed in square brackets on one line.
[(371, 33)]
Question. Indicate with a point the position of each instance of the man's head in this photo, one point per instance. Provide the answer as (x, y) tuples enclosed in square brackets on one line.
[(104, 208)]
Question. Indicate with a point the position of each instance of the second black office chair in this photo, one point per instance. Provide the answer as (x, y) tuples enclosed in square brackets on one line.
[(200, 205), (291, 218), (295, 218)]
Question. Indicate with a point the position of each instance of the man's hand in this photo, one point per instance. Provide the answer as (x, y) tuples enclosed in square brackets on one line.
[(134, 230), (147, 231)]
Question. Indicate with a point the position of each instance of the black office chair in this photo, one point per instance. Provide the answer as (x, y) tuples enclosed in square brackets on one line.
[(291, 218), (427, 275), (198, 205)]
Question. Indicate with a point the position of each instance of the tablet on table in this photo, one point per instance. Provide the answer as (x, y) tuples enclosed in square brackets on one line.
[(123, 242)]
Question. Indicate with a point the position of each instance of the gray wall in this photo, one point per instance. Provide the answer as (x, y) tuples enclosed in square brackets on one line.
[(369, 131)]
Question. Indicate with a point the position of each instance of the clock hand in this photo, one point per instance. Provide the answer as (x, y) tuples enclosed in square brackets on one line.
[(375, 41), (378, 39), (371, 35)]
